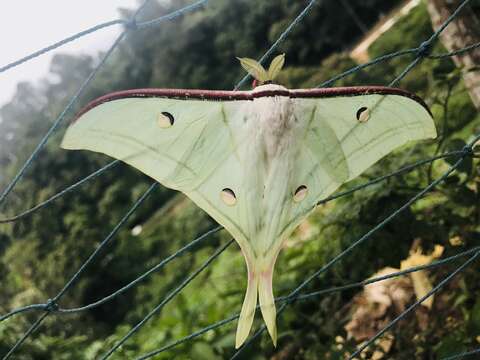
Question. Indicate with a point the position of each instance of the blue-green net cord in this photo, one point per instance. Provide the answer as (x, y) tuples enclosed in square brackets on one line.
[(421, 52), (348, 250), (314, 294), (131, 25), (52, 303), (98, 172), (202, 237), (277, 42), (472, 354), (166, 300)]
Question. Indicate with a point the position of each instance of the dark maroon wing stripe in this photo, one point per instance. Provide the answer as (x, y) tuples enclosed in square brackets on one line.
[(180, 94), (355, 91), (224, 95)]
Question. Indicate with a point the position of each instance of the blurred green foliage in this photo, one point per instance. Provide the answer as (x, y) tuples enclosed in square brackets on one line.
[(39, 253)]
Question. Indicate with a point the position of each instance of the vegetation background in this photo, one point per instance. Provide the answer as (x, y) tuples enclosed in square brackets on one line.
[(39, 253)]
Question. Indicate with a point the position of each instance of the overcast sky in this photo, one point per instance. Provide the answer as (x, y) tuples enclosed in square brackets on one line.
[(27, 26)]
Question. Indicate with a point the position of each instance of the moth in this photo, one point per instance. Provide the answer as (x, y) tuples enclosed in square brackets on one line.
[(256, 161)]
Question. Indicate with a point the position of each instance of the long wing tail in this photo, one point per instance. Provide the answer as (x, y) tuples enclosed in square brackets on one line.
[(267, 303), (260, 274), (248, 309)]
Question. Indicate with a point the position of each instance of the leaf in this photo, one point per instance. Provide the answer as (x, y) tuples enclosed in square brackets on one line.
[(421, 283), (422, 286), (203, 351), (275, 66), (376, 303), (254, 68), (450, 345), (475, 318)]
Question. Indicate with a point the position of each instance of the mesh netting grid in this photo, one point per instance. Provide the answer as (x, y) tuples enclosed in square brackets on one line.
[(51, 306)]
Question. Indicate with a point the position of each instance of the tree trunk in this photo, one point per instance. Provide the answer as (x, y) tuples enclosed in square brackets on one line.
[(464, 30)]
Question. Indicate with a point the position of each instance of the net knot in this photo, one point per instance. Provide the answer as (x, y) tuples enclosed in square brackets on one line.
[(467, 150), (292, 299), (131, 24), (424, 49), (51, 305)]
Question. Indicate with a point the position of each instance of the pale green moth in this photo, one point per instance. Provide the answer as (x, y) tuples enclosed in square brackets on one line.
[(256, 161)]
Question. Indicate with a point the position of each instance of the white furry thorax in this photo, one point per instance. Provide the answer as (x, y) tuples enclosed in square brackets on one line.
[(272, 148), (273, 120)]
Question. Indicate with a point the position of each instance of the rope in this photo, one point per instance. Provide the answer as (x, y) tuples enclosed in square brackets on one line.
[(169, 297), (92, 75), (462, 355), (416, 304), (312, 295), (61, 43), (277, 42), (98, 172), (348, 250), (51, 306), (58, 121), (421, 52), (61, 193)]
